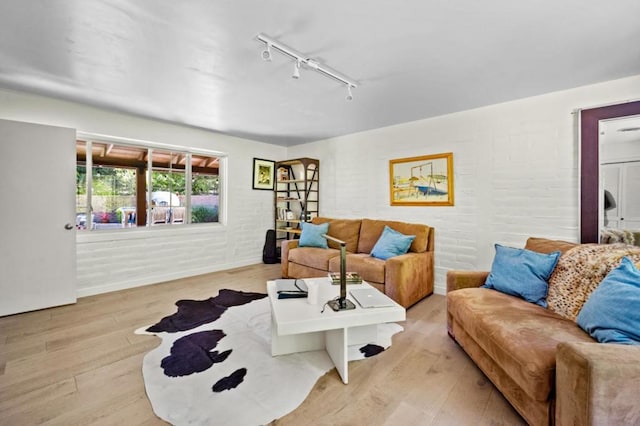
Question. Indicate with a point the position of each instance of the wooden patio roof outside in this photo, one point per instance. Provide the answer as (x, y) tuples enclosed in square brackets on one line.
[(110, 154)]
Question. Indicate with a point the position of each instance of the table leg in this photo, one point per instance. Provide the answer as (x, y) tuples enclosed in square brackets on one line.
[(336, 345), (293, 343)]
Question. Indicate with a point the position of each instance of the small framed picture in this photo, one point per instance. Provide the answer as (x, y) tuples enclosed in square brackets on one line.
[(263, 174)]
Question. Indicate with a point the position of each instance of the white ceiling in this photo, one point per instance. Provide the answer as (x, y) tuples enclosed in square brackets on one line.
[(198, 62)]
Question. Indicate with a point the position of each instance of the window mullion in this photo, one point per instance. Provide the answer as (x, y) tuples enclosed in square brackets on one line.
[(187, 184), (89, 183), (149, 188)]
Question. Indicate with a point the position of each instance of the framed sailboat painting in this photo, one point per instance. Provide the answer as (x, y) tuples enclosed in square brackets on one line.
[(422, 181)]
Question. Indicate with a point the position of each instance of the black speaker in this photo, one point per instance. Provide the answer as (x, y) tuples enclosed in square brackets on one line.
[(269, 252)]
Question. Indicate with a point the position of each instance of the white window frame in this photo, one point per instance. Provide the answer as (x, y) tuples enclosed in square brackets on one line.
[(188, 151)]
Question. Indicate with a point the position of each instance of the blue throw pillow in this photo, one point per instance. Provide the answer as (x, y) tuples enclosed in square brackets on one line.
[(312, 235), (391, 243), (612, 313), (522, 273)]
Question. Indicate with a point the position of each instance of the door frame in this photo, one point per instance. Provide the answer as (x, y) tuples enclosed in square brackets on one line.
[(590, 164)]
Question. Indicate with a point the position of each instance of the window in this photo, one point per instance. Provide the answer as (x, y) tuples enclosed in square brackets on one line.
[(128, 186), (204, 189)]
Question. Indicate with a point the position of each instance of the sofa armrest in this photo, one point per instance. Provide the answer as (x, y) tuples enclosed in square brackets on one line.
[(465, 279), (409, 277), (457, 280), (597, 384), (284, 255)]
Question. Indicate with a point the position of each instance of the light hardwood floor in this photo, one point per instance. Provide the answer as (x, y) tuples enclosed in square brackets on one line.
[(81, 364)]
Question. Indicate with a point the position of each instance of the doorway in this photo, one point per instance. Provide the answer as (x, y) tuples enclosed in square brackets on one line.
[(590, 164)]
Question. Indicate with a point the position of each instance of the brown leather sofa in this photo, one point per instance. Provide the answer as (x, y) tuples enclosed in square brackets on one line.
[(546, 366), (406, 279)]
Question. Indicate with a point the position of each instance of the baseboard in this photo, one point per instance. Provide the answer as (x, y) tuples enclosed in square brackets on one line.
[(155, 279)]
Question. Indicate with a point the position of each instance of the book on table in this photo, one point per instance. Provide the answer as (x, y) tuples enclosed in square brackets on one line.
[(350, 278)]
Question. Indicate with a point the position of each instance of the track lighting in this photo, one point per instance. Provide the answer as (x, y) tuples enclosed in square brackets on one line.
[(266, 54), (296, 70), (301, 59)]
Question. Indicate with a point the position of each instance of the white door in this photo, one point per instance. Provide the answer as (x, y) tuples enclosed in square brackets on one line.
[(37, 206), (630, 196), (622, 180), (611, 175)]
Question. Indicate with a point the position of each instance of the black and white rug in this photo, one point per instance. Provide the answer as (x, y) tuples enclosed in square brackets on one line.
[(214, 365)]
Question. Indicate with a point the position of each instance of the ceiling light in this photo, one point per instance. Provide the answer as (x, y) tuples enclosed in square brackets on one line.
[(349, 94), (296, 70), (266, 54), (302, 59)]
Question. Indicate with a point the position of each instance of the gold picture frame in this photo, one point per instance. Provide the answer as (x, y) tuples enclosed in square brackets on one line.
[(263, 174), (422, 181)]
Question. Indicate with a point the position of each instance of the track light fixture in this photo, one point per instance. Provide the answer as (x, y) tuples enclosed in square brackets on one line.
[(296, 70), (302, 60), (266, 53), (349, 94)]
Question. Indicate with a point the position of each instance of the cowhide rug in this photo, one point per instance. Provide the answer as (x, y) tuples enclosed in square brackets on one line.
[(214, 365)]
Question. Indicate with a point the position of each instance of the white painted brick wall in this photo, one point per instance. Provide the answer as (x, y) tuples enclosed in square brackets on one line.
[(515, 167), (113, 260), (516, 175)]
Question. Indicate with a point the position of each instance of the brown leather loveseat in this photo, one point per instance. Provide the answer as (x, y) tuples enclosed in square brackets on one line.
[(546, 366), (406, 279)]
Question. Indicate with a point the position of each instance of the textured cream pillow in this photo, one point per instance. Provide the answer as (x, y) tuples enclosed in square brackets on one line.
[(579, 271)]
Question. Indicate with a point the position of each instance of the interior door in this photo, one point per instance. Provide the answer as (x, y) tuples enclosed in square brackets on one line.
[(611, 175), (630, 216), (622, 180), (37, 214)]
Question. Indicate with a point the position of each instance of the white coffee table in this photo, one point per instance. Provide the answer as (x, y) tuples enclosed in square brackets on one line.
[(297, 326)]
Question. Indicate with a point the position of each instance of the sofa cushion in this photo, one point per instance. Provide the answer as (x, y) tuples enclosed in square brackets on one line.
[(313, 235), (519, 336), (347, 230), (612, 312), (314, 257), (370, 232), (369, 268), (579, 271), (391, 243), (296, 270), (522, 273)]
